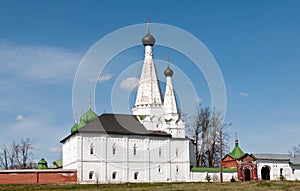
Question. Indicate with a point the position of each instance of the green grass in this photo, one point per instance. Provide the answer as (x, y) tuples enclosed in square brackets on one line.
[(198, 169), (236, 186)]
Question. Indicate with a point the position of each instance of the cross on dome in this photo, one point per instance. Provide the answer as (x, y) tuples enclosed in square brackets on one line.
[(148, 39)]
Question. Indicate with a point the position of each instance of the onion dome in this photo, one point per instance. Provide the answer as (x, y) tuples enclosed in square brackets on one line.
[(81, 124), (42, 164), (148, 39), (89, 116), (74, 128), (168, 72)]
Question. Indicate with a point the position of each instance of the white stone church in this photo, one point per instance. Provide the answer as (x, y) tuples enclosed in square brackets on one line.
[(148, 146)]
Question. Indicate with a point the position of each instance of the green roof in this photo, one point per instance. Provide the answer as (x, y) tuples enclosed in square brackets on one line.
[(85, 119), (74, 128), (236, 152), (89, 116), (42, 164), (81, 124), (200, 169), (59, 163)]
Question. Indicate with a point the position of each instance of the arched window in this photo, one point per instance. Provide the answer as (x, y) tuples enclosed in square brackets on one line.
[(177, 152), (91, 173), (160, 152), (114, 149), (134, 149), (135, 176), (177, 169), (91, 149), (159, 169), (114, 175)]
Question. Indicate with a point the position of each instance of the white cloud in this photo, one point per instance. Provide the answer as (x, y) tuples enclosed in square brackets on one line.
[(198, 100), (105, 77), (243, 94), (20, 118), (129, 83), (42, 133), (38, 62), (55, 150)]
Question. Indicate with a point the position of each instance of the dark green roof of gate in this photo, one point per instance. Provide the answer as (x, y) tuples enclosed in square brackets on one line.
[(42, 164), (237, 151)]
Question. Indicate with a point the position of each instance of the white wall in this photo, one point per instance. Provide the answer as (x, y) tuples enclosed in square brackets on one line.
[(156, 158), (215, 176), (275, 169), (70, 153), (296, 173)]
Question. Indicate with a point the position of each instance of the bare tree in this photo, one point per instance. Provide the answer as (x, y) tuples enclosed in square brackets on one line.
[(24, 148), (4, 159), (13, 154), (206, 132), (197, 132), (296, 149), (16, 155), (198, 126), (204, 119), (213, 148)]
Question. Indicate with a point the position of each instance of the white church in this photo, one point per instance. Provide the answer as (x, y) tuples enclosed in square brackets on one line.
[(148, 146)]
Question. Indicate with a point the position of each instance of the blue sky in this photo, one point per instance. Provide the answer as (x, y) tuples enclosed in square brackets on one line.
[(255, 43)]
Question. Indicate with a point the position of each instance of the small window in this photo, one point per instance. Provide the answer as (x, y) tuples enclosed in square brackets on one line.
[(92, 149), (177, 169), (136, 174), (114, 149), (177, 152), (134, 149), (114, 175), (159, 169), (160, 152), (91, 173)]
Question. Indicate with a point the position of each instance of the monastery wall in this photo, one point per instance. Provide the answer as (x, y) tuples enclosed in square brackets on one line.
[(38, 176)]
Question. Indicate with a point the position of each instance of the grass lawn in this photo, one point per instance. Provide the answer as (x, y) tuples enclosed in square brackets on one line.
[(243, 186)]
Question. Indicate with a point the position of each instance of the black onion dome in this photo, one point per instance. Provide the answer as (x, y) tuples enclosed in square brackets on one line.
[(168, 72), (148, 39)]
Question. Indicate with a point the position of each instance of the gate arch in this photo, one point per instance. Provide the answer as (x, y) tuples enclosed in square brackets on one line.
[(265, 172)]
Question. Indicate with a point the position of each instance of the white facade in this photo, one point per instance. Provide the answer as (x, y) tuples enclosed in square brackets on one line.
[(117, 158), (273, 166), (274, 169), (120, 157)]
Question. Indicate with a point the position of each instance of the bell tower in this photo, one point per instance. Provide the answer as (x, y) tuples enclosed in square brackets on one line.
[(148, 104)]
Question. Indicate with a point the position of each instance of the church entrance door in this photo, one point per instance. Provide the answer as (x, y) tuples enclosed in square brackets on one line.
[(247, 174)]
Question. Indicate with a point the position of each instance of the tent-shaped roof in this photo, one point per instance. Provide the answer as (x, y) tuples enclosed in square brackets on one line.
[(42, 164), (237, 151)]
